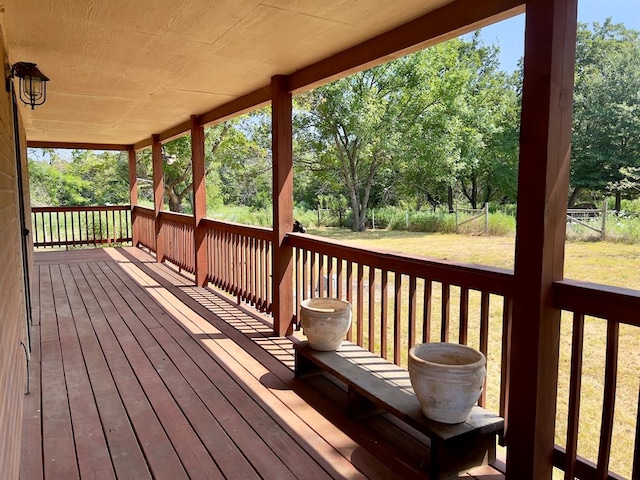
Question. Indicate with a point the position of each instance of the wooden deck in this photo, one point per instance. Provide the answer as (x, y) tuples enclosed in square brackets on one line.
[(137, 374)]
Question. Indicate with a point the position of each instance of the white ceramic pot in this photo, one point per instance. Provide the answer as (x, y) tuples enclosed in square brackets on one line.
[(325, 322), (447, 379)]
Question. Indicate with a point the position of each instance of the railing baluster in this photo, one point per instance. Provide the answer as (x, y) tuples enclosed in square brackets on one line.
[(65, 231), (331, 292), (360, 307), (58, 228), (575, 383), (51, 228), (397, 318), (73, 230), (446, 295), (384, 306), (426, 311), (484, 340), (339, 275), (298, 281), (350, 295), (608, 404), (313, 276), (412, 311), (106, 221), (321, 276), (464, 316), (305, 274), (372, 307), (507, 308)]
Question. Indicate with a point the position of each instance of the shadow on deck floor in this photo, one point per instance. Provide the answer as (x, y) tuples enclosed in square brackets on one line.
[(136, 373)]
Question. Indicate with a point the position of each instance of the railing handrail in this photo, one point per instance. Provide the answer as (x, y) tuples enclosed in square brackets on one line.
[(596, 300), (81, 208), (261, 233), (492, 279), (177, 217), (143, 210)]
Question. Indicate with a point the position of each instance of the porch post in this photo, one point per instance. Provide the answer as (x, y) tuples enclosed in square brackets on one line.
[(282, 152), (158, 194), (199, 199), (133, 194), (543, 179)]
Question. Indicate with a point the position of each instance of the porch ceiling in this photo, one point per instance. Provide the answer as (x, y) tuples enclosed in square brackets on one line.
[(122, 70)]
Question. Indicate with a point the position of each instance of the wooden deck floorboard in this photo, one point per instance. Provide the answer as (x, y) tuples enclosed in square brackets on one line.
[(136, 373)]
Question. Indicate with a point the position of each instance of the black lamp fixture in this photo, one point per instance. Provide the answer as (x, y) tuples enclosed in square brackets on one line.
[(33, 83)]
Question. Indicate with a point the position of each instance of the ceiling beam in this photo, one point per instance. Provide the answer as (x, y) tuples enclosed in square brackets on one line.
[(78, 146), (449, 21), (237, 106)]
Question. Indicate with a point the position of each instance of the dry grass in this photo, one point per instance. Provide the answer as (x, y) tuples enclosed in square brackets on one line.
[(599, 262)]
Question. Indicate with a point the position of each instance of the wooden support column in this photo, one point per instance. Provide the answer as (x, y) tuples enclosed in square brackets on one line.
[(133, 194), (158, 194), (282, 149), (543, 179), (199, 199)]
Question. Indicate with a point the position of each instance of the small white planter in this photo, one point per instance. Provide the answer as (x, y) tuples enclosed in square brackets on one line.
[(325, 322), (447, 379)]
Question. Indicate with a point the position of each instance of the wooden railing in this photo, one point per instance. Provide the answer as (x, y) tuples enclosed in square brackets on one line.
[(591, 304), (239, 261), (178, 232), (400, 300), (144, 222), (78, 226)]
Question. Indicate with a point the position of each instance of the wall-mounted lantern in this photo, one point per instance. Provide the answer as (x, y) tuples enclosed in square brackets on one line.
[(33, 83)]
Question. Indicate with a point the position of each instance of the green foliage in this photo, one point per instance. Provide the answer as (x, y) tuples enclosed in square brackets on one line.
[(606, 129), (411, 131), (501, 223), (85, 178), (623, 229)]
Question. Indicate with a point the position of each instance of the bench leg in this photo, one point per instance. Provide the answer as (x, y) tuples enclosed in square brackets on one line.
[(450, 458), (303, 365), (359, 406)]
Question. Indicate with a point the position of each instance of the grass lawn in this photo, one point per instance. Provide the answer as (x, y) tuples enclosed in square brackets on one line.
[(599, 262)]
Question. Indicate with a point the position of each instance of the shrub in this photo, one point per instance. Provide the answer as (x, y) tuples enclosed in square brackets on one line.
[(501, 223)]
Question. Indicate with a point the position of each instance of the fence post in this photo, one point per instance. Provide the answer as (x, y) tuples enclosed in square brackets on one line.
[(486, 217), (604, 220)]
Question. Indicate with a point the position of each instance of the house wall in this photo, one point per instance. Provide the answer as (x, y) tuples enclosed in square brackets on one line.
[(12, 300)]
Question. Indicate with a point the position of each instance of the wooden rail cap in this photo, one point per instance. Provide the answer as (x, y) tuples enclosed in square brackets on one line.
[(375, 382)]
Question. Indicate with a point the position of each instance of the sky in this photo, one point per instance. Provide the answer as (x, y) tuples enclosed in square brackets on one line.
[(509, 34)]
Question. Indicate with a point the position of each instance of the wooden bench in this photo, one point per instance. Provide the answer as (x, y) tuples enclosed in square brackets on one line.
[(374, 383)]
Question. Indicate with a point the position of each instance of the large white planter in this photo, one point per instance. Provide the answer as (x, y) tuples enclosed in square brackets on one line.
[(325, 322), (447, 379)]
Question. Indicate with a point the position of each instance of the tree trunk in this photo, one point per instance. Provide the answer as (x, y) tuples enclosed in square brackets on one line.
[(175, 202), (573, 198), (450, 198), (474, 192), (618, 206), (356, 208)]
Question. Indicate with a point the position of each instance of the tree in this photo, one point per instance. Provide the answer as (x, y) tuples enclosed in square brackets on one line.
[(237, 164), (362, 123), (606, 128), (85, 177)]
